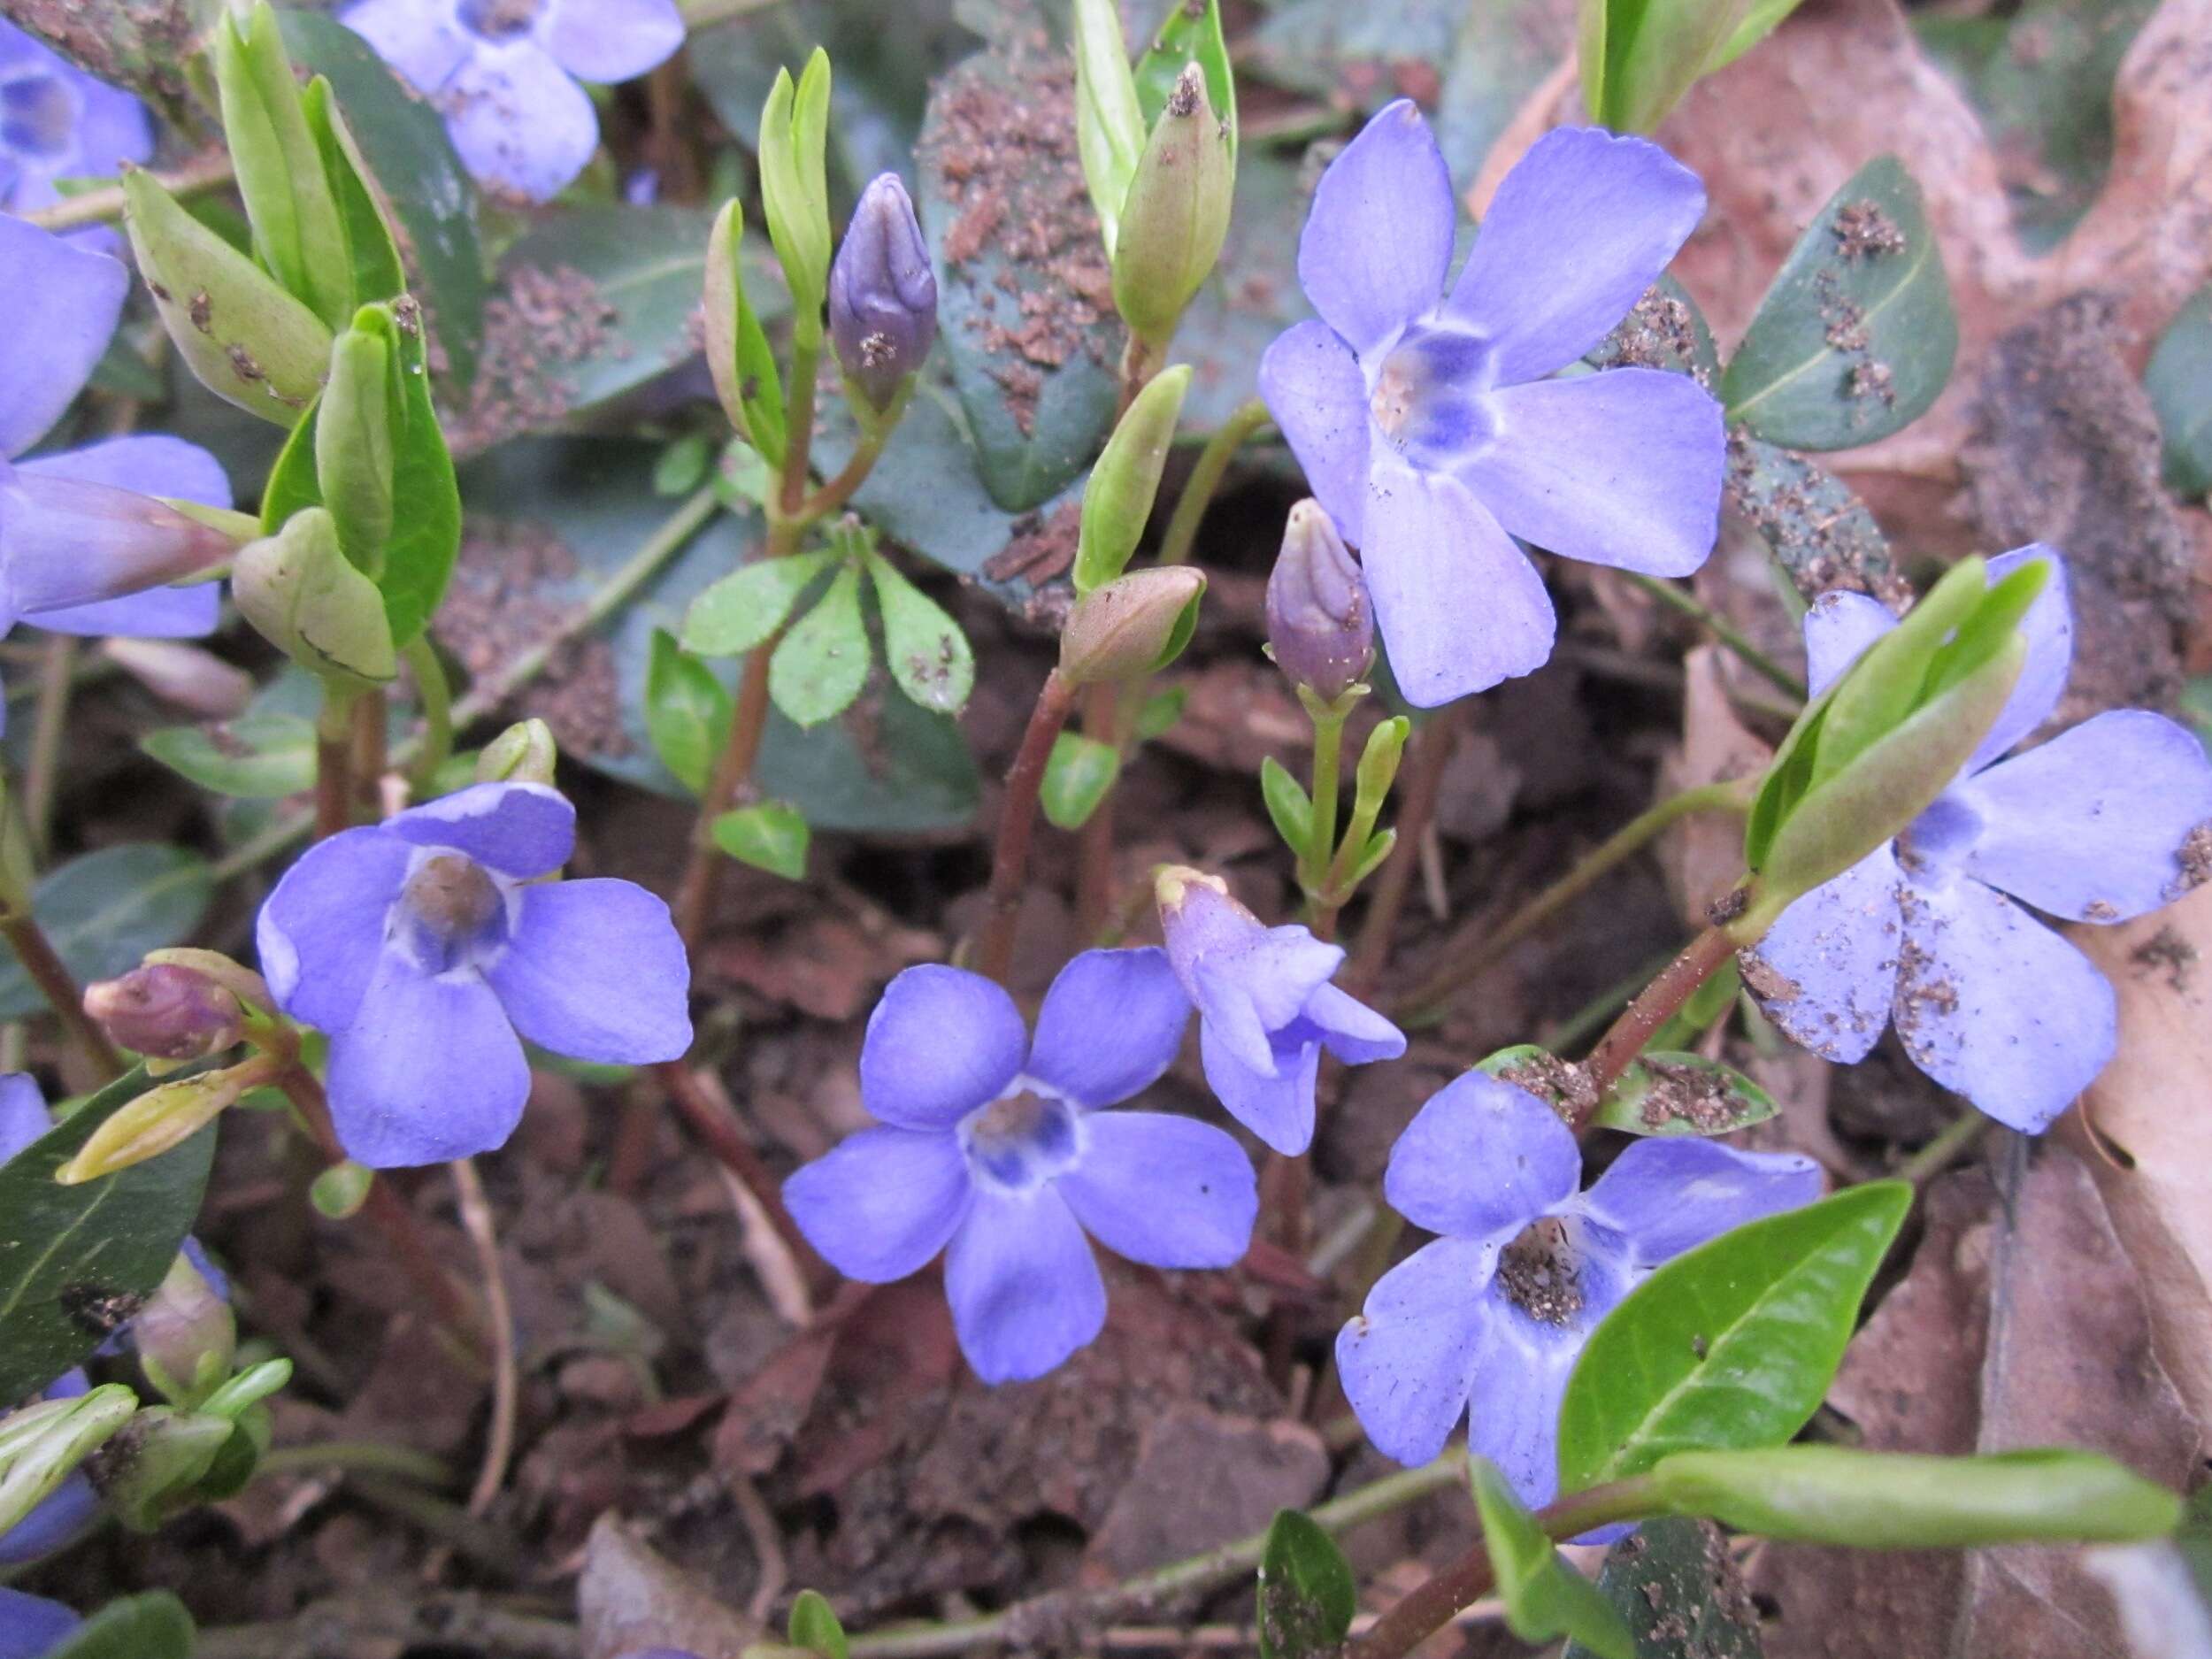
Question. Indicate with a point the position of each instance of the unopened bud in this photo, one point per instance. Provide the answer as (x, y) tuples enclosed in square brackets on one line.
[(353, 436), (1319, 623), (882, 294), (166, 1012), (308, 600), (524, 753), (43, 1444), (187, 675), (186, 1335), (1132, 627), (1118, 498), (242, 982), (152, 1469), (161, 1118), (65, 542), (1177, 212), (340, 1190), (746, 377)]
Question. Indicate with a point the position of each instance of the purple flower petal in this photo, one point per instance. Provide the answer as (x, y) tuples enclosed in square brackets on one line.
[(23, 1115), (31, 1625), (1996, 1005), (1247, 980), (1481, 1160), (1110, 1025), (2049, 628), (1376, 247), (429, 1069), (595, 970), (941, 1042), (1579, 229), (1023, 1286), (113, 128), (55, 1522), (152, 465), (882, 1203), (1408, 1361), (1668, 1194), (1277, 1105), (1830, 961), (1514, 1399), (65, 544), (1838, 627), (519, 829), (611, 39), (1622, 468), (2089, 825), (76, 297), (424, 40), (159, 613), (1313, 385), (1355, 1032), (1162, 1190), (518, 123), (1459, 606), (321, 934)]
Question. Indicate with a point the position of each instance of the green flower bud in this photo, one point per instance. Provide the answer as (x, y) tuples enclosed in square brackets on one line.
[(340, 1190), (794, 189), (1109, 122), (40, 1445), (1118, 500), (746, 377), (1132, 627), (309, 602), (149, 1471), (353, 437), (186, 1336), (524, 753), (162, 1119), (1379, 761), (1177, 212), (248, 341)]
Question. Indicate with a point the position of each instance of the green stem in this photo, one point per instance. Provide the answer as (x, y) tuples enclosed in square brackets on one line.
[(1951, 1143), (1321, 825), (42, 773), (1722, 630), (1206, 474), (194, 177), (436, 692), (375, 1457)]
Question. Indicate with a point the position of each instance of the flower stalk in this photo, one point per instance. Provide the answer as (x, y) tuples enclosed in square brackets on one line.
[(1018, 822)]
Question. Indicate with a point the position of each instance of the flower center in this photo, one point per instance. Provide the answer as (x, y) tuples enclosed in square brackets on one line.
[(1021, 1141), (1427, 398), (450, 910), (500, 20), (1540, 1275), (38, 117), (1936, 843)]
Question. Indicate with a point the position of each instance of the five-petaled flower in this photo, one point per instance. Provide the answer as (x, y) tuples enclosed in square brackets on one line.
[(1266, 1008), (500, 73), (81, 549), (996, 1147), (424, 944), (1429, 428), (1486, 1322), (57, 122), (2108, 821)]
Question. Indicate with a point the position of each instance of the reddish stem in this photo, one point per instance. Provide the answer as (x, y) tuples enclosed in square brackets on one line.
[(1017, 821), (1655, 1005), (48, 972), (695, 898), (713, 1124)]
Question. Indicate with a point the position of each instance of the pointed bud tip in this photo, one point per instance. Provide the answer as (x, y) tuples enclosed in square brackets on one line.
[(1171, 885), (1320, 625), (166, 1012), (1132, 626), (524, 753), (882, 294)]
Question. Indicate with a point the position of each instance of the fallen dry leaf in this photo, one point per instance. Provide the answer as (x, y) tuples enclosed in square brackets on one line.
[(629, 1600)]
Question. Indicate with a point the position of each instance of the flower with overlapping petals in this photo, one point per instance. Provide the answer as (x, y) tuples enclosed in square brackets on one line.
[(1430, 427), (996, 1149), (429, 945), (1486, 1322), (2106, 821)]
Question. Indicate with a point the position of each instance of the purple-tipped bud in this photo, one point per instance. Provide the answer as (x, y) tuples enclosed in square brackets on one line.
[(1319, 623), (882, 294), (65, 542), (166, 1012)]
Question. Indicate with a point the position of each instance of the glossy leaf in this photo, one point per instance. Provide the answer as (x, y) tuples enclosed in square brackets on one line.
[(1640, 56), (377, 271), (1856, 333), (1667, 1093), (751, 603), (769, 836), (1821, 534), (1307, 1594), (1730, 1345), (1110, 124), (1189, 34), (820, 666), (77, 1261), (1288, 805), (102, 910), (1544, 1597), (1681, 1595), (814, 1626), (153, 1626), (928, 655), (1078, 773), (2180, 382), (686, 712)]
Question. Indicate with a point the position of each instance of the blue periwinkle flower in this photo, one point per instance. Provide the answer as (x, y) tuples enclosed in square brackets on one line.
[(31, 1626), (882, 294), (1265, 1007), (2106, 822), (500, 72), (1486, 1322), (1427, 426), (57, 122), (425, 944), (995, 1148)]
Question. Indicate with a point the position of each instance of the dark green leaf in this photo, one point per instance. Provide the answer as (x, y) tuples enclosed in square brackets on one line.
[(927, 654), (820, 666), (745, 607), (427, 532), (1664, 1094), (1078, 774), (1544, 1597), (683, 465), (1189, 36), (1821, 534), (2180, 380), (76, 1261), (1665, 330), (105, 910), (814, 1626), (1288, 805), (686, 712), (1678, 1589), (378, 273), (1732, 1345), (1856, 336), (154, 1625), (258, 755), (769, 836), (1307, 1594)]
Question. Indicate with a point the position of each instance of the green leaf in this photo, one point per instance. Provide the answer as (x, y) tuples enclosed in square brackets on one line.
[(1378, 848), (814, 1626), (1544, 1597), (1189, 35), (1856, 336), (1732, 1345), (1641, 55), (77, 1261), (104, 910), (1110, 124), (259, 755), (2180, 382), (1307, 1594), (747, 378), (1664, 1094), (1674, 1584), (1763, 17), (377, 271), (1078, 773), (154, 1625), (683, 465), (1288, 805), (794, 192), (1821, 534), (820, 666), (1161, 711), (1118, 500), (927, 654), (769, 836), (686, 712), (748, 606)]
